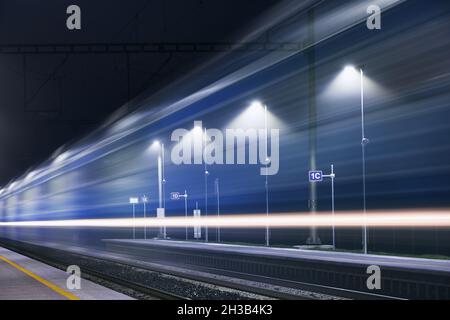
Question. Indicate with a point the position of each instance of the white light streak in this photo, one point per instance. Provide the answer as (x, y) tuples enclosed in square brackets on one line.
[(419, 218)]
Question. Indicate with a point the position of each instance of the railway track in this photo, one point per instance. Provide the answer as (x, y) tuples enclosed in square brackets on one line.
[(115, 274), (121, 270), (151, 292)]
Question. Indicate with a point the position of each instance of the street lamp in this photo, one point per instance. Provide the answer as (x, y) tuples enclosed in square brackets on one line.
[(257, 105), (364, 142), (206, 183), (267, 160), (217, 189), (200, 143), (160, 211)]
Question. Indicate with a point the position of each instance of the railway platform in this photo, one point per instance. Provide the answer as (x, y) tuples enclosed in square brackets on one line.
[(22, 278)]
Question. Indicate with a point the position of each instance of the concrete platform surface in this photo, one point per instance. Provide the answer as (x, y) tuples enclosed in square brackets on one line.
[(22, 278), (292, 253)]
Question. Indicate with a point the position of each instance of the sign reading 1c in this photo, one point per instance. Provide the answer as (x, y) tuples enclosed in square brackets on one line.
[(315, 176)]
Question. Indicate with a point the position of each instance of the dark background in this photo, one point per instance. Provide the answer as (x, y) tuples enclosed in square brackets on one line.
[(47, 100)]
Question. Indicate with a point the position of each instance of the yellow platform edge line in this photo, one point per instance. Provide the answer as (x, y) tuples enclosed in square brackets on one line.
[(50, 285)]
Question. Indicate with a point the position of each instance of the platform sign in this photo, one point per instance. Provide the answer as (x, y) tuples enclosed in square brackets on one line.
[(175, 196), (134, 200), (160, 213), (197, 228), (315, 176)]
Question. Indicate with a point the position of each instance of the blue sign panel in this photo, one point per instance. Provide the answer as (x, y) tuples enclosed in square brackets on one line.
[(175, 196), (316, 176)]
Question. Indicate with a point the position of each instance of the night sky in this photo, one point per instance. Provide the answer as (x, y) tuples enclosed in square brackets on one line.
[(48, 100), (51, 100)]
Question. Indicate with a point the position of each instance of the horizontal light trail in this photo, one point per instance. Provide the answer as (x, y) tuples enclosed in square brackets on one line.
[(399, 218)]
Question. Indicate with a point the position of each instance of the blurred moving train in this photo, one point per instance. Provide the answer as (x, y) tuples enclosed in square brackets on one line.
[(408, 107)]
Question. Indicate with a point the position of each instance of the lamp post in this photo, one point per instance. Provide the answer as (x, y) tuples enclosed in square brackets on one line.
[(206, 184), (185, 196), (364, 142), (266, 177), (262, 107), (160, 211), (218, 206)]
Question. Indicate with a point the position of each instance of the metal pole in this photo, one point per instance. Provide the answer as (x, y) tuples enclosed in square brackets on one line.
[(160, 190), (145, 224), (332, 175), (266, 181), (185, 211), (159, 181), (163, 176), (364, 141), (218, 208), (206, 186), (163, 188), (195, 227), (134, 224), (332, 205), (312, 121)]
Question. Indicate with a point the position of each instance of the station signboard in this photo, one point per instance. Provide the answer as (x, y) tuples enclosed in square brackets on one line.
[(315, 176), (175, 196), (134, 200)]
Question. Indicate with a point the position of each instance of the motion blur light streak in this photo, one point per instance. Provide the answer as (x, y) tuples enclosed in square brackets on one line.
[(425, 218), (279, 118), (407, 94)]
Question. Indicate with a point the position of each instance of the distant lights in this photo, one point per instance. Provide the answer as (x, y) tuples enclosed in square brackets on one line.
[(256, 104), (349, 67), (198, 128), (156, 143), (154, 146)]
